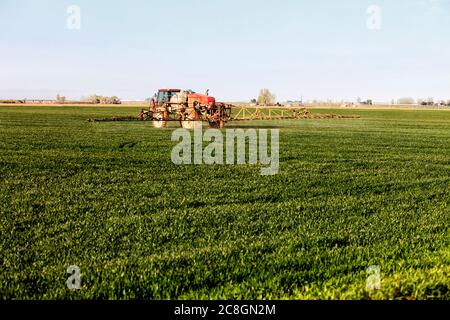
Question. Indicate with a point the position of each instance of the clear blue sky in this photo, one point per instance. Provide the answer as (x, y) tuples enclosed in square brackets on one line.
[(315, 49)]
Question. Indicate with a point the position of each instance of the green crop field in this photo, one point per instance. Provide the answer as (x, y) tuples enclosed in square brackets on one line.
[(350, 194)]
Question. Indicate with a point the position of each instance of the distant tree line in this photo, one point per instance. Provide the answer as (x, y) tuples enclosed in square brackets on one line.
[(96, 99), (424, 102)]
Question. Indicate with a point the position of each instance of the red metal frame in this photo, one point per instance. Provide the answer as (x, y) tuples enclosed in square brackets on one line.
[(169, 90)]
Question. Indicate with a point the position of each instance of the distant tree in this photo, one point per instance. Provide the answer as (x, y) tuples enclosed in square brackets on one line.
[(109, 100), (60, 99), (96, 99), (266, 98), (253, 101)]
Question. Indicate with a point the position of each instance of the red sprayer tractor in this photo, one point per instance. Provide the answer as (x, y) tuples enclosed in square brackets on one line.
[(186, 107), (190, 109)]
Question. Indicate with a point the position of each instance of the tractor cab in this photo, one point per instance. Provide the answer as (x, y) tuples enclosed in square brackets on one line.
[(187, 107), (164, 95)]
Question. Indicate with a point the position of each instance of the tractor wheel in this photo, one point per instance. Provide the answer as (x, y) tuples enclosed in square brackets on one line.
[(217, 125), (161, 120), (191, 124), (192, 120), (159, 124)]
